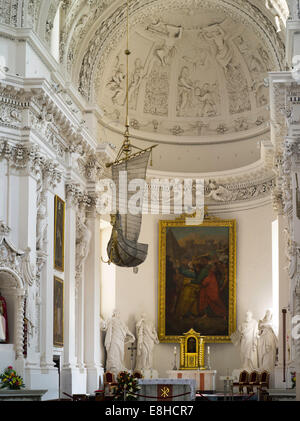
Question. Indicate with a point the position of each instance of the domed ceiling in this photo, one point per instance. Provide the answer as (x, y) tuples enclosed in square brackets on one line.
[(197, 77), (195, 73)]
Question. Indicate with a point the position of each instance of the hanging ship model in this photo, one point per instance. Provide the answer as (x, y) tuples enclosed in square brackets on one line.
[(123, 248)]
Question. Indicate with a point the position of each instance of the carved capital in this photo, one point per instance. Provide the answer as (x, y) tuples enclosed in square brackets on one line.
[(52, 175), (91, 168)]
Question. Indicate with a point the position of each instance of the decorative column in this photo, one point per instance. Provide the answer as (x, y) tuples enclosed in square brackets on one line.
[(45, 261), (92, 302), (83, 237), (70, 370)]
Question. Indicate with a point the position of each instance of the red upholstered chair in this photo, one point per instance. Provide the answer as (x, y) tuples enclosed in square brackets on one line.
[(109, 382), (253, 381), (243, 381), (137, 374)]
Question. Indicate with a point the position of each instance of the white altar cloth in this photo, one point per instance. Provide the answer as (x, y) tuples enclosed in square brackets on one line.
[(205, 379), (154, 388)]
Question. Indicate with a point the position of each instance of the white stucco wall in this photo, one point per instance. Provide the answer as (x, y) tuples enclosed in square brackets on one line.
[(139, 293)]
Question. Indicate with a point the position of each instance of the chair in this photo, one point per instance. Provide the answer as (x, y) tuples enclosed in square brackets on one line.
[(109, 382), (80, 397), (243, 381), (264, 379), (137, 374), (253, 381)]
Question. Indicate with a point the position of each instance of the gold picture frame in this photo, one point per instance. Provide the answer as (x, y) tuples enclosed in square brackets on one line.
[(186, 298), (59, 233), (58, 312)]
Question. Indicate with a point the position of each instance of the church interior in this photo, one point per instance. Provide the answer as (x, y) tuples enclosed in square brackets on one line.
[(194, 289)]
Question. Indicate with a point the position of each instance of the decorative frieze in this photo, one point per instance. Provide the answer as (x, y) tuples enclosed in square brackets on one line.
[(27, 156)]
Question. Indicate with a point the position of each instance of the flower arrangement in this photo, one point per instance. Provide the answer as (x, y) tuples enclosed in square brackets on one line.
[(128, 383), (10, 379), (293, 378)]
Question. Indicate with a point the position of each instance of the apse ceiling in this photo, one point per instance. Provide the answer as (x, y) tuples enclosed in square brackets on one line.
[(193, 72), (197, 75)]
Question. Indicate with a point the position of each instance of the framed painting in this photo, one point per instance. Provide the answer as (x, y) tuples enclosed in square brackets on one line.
[(197, 279), (58, 312), (59, 234)]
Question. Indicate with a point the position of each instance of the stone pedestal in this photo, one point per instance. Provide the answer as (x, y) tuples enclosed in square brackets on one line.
[(22, 395)]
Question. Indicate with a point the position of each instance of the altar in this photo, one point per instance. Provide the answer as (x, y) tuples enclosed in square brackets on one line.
[(167, 390), (22, 395), (205, 379)]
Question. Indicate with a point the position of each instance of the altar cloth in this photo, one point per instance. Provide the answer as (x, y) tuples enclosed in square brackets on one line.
[(167, 390)]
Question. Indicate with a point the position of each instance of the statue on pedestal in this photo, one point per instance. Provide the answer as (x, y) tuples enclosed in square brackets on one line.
[(117, 335), (267, 343), (146, 339), (3, 321), (246, 337)]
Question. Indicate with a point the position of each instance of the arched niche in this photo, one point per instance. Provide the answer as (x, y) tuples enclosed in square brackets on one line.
[(16, 275), (12, 289)]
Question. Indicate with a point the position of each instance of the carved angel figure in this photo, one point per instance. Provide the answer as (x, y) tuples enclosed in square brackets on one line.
[(218, 193)]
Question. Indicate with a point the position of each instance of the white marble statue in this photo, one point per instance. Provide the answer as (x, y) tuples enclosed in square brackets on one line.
[(246, 337), (267, 343), (117, 335), (146, 339)]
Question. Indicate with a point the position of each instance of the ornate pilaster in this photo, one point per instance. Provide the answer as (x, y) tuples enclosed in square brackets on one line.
[(92, 299), (50, 177), (83, 237), (286, 142)]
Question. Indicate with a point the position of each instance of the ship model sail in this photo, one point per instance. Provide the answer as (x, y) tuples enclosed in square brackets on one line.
[(123, 248)]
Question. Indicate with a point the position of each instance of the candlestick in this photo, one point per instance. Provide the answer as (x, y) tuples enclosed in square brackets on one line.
[(208, 358), (175, 358)]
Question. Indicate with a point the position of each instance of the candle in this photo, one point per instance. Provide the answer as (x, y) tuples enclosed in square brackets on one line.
[(175, 350), (208, 350)]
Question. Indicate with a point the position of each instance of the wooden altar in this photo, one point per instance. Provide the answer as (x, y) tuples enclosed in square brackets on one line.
[(205, 379)]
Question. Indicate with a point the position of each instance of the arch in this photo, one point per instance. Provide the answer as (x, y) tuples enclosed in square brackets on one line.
[(14, 275), (14, 293)]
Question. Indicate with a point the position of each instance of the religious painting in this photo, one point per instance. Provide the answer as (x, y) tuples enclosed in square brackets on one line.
[(58, 312), (59, 233), (197, 279)]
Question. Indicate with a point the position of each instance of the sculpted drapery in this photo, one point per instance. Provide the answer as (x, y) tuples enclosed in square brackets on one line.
[(117, 335), (146, 339)]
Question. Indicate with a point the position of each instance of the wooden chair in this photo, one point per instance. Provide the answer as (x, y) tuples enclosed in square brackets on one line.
[(253, 381), (243, 381), (264, 379)]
